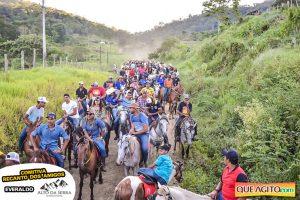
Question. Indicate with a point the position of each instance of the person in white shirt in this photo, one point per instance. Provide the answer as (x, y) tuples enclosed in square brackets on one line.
[(70, 110)]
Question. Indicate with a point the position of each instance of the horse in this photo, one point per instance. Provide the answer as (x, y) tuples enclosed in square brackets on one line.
[(123, 127), (129, 153), (157, 91), (188, 128), (132, 187), (173, 98), (42, 156), (67, 126), (173, 192), (158, 132), (87, 162)]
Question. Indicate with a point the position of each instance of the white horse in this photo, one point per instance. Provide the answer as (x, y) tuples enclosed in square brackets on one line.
[(131, 187), (129, 154), (156, 89), (158, 132), (123, 122), (173, 192)]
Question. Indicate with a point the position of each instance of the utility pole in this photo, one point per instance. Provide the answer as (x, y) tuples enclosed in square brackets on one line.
[(107, 54), (44, 35)]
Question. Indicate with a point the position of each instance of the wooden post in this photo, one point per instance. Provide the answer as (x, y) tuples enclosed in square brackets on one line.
[(288, 4), (294, 42), (297, 3), (34, 58), (66, 60), (60, 60), (5, 63), (22, 60), (54, 59)]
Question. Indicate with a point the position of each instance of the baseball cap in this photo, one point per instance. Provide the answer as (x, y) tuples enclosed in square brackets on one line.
[(95, 84), (51, 115), (231, 155), (186, 96), (165, 147), (80, 82), (110, 90), (13, 156), (42, 99)]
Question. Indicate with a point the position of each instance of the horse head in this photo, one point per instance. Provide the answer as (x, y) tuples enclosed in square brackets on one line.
[(156, 89), (123, 146), (85, 147), (178, 167), (123, 115), (188, 129), (163, 123), (36, 157)]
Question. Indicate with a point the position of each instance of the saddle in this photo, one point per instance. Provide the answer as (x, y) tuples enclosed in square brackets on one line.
[(149, 184)]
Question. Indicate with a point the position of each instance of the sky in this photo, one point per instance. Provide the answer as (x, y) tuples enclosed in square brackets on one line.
[(132, 15)]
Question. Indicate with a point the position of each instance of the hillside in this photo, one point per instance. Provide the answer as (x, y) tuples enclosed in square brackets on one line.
[(245, 85)]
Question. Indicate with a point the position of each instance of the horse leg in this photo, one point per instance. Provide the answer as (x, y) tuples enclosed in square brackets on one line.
[(100, 177), (92, 177), (188, 151), (80, 185), (69, 155), (182, 150)]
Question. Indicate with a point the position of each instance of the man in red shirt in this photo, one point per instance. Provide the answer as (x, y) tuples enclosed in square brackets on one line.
[(232, 173), (96, 91)]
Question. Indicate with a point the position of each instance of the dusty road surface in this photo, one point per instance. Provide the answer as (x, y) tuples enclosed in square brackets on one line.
[(114, 174)]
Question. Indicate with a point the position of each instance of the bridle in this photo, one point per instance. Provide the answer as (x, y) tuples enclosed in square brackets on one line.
[(81, 140)]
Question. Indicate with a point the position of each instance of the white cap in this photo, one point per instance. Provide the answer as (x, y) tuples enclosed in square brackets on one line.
[(80, 82), (42, 99), (110, 90), (13, 156), (186, 96)]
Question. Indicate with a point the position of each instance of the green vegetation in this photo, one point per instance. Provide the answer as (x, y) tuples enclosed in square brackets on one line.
[(246, 95), (19, 90), (67, 36)]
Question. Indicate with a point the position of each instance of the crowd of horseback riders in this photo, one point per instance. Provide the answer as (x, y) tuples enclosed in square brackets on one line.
[(134, 107)]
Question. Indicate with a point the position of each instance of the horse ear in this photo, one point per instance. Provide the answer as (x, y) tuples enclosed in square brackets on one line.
[(91, 145)]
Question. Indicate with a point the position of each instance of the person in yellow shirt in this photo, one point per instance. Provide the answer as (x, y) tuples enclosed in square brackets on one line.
[(149, 89)]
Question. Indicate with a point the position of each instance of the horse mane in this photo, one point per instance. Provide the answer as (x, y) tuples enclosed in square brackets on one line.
[(79, 132)]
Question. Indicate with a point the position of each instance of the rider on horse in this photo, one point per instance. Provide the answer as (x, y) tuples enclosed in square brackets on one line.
[(140, 128), (96, 91), (184, 110), (161, 169), (33, 117), (81, 95), (49, 135), (168, 84), (70, 110), (95, 130)]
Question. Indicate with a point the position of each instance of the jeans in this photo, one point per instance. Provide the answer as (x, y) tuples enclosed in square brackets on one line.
[(219, 196), (84, 105), (73, 121), (115, 112), (166, 93), (144, 141), (150, 172), (101, 147), (22, 138), (58, 157)]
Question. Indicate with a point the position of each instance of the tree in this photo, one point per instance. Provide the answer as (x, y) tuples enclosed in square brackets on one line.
[(220, 9)]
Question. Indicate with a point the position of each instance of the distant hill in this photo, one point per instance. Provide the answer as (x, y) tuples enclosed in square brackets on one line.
[(194, 23), (23, 17)]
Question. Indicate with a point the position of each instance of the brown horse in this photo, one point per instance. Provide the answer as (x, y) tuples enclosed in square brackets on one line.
[(42, 156), (172, 98), (131, 187), (88, 162), (67, 126)]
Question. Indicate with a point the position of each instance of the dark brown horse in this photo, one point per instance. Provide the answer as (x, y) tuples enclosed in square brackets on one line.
[(172, 98), (42, 156), (131, 187), (87, 162), (67, 126)]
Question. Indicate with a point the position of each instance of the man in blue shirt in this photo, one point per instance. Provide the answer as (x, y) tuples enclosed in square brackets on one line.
[(161, 169), (95, 130), (161, 79), (33, 117), (120, 83), (49, 135), (143, 81), (140, 128)]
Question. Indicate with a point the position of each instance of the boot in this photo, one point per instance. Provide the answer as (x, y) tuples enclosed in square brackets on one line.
[(103, 165), (75, 164)]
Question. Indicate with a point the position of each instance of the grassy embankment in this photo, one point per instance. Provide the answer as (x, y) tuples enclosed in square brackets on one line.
[(19, 90), (245, 86)]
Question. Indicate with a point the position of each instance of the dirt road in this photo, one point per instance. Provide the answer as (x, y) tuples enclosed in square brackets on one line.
[(114, 173)]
